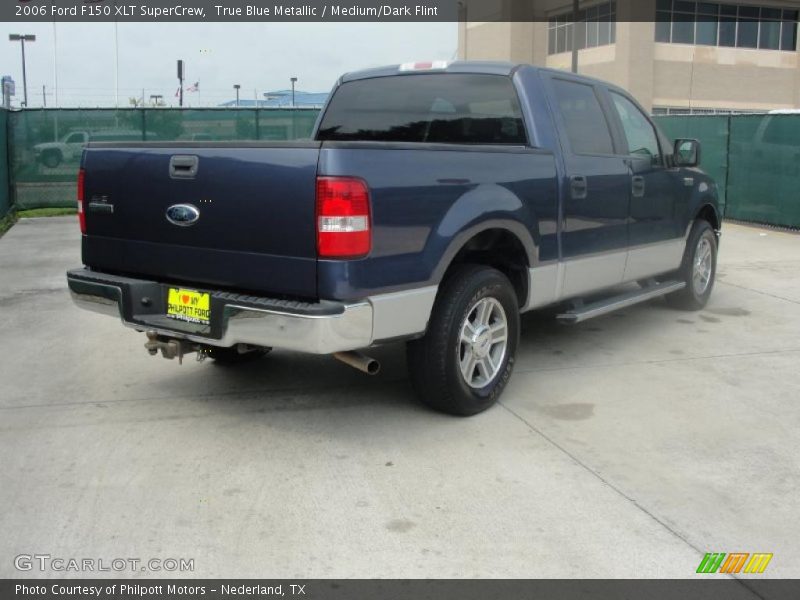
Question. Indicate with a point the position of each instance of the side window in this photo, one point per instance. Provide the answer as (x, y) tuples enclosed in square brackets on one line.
[(639, 132), (586, 124)]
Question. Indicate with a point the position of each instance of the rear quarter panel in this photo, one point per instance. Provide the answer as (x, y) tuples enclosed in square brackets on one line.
[(428, 201)]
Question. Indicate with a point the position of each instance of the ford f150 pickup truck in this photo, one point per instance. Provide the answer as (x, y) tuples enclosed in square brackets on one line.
[(436, 203)]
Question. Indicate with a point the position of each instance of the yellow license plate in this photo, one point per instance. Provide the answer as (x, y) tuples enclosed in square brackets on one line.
[(188, 305)]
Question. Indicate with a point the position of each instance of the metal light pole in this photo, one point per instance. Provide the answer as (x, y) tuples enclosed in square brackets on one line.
[(237, 87), (575, 11), (55, 61), (293, 80), (116, 64), (180, 81), (16, 37)]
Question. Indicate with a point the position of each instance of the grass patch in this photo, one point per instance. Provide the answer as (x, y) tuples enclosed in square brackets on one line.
[(7, 222), (13, 216), (33, 213)]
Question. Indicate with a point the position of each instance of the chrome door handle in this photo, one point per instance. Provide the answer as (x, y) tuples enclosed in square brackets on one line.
[(578, 187), (183, 167), (637, 186)]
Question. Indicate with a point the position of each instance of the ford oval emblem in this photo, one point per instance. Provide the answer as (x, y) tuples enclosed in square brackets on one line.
[(183, 215)]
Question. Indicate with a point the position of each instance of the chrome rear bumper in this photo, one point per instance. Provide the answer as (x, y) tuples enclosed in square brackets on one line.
[(317, 328)]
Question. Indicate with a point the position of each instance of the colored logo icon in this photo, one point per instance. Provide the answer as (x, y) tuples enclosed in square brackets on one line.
[(735, 562)]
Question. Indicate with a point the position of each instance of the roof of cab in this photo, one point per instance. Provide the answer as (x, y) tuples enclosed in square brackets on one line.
[(460, 66), (486, 67)]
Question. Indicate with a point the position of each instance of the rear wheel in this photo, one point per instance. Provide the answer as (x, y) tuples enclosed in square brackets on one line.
[(232, 356), (465, 360), (698, 269)]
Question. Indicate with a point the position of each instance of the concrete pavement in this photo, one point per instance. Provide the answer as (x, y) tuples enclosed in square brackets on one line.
[(627, 446)]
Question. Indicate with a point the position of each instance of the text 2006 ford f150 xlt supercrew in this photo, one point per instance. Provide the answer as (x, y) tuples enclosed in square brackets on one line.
[(434, 205)]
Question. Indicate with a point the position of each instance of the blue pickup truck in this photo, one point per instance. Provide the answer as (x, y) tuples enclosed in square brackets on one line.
[(436, 203)]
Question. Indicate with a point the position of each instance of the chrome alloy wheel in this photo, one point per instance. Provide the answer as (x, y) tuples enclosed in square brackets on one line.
[(703, 263), (483, 342)]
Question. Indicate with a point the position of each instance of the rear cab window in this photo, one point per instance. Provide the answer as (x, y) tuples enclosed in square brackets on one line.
[(441, 108)]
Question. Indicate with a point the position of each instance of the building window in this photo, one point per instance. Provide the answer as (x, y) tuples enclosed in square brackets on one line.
[(668, 110), (596, 27), (711, 24)]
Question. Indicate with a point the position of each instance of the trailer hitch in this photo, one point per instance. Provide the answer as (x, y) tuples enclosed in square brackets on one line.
[(172, 348)]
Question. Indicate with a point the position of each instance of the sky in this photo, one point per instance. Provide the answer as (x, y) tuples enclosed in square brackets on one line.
[(260, 57)]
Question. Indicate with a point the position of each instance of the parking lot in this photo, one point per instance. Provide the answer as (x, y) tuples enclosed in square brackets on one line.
[(627, 446)]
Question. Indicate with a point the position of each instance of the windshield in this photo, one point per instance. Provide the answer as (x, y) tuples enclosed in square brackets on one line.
[(435, 108)]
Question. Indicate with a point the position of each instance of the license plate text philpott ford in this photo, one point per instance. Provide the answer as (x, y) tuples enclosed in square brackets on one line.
[(188, 305)]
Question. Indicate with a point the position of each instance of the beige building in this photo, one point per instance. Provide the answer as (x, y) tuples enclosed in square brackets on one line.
[(674, 56)]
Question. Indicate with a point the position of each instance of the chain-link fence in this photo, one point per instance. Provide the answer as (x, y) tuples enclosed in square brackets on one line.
[(5, 184), (46, 145), (764, 177), (755, 159)]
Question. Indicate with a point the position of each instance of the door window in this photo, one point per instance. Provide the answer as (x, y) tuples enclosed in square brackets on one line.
[(641, 136), (585, 122)]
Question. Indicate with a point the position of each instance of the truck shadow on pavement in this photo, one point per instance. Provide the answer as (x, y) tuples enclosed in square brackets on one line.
[(289, 381)]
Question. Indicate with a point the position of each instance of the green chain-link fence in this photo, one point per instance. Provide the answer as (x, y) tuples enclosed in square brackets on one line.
[(755, 159), (5, 183), (46, 145), (764, 177)]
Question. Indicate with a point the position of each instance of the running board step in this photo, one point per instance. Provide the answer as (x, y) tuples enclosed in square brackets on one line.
[(583, 312)]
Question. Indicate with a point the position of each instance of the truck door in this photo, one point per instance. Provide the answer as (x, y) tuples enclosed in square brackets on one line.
[(595, 192), (658, 196)]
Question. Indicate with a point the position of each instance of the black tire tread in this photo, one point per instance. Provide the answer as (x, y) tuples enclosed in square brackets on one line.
[(428, 357), (686, 299)]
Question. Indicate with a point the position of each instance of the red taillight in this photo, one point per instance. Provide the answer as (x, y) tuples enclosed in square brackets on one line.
[(343, 218), (81, 214)]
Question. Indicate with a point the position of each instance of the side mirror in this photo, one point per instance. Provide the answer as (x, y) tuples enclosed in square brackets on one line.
[(686, 153)]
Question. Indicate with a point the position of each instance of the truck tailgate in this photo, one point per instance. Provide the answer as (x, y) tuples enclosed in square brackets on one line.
[(256, 204)]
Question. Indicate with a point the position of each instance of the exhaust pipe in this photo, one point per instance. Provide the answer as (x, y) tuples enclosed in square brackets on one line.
[(365, 364)]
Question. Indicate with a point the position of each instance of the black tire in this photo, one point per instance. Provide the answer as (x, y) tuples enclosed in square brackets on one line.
[(225, 357), (51, 159), (434, 361), (694, 297)]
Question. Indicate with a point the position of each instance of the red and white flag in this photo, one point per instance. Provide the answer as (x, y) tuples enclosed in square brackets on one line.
[(194, 88)]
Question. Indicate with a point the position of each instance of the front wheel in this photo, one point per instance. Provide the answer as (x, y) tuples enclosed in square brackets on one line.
[(465, 360), (698, 269)]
